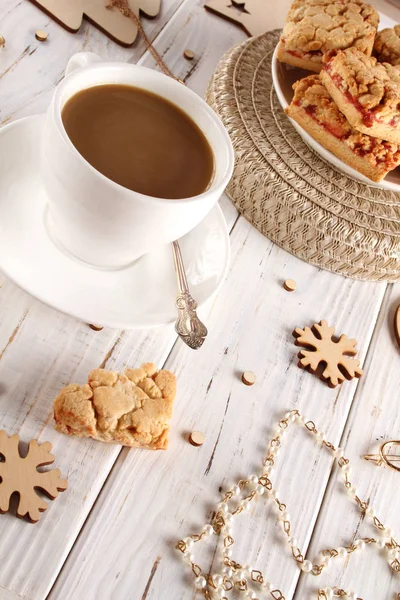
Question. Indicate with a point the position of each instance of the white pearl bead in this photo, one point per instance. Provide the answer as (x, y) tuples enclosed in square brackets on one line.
[(188, 556), (370, 512), (227, 571), (218, 579), (260, 490), (300, 418), (200, 583), (388, 532), (342, 552), (219, 592), (273, 493), (360, 544), (235, 490), (328, 593), (250, 595), (326, 560), (306, 566), (188, 543), (351, 491), (293, 542), (222, 507), (339, 453), (246, 570), (245, 504), (227, 552), (352, 596), (228, 517), (284, 516), (381, 544), (227, 530), (347, 469), (268, 586), (273, 450), (208, 530), (253, 479), (269, 472), (240, 575)]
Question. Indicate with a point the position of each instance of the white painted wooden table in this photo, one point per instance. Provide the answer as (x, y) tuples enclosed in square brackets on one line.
[(112, 534)]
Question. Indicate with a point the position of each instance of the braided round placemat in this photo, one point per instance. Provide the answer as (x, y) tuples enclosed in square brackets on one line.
[(286, 190)]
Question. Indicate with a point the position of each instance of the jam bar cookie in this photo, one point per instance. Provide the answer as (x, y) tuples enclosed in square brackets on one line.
[(313, 109), (365, 91), (314, 27), (387, 45)]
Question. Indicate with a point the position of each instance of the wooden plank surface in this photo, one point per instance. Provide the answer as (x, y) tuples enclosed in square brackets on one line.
[(126, 537), (145, 501), (29, 69), (374, 418)]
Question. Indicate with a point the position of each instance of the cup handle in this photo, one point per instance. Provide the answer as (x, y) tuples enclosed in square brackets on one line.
[(82, 59)]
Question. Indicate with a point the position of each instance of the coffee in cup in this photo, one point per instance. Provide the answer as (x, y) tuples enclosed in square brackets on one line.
[(139, 140), (106, 212)]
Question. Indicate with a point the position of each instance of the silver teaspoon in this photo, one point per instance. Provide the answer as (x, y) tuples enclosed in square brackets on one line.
[(188, 325)]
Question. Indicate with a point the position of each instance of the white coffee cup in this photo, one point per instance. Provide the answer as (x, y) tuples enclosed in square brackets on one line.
[(98, 220)]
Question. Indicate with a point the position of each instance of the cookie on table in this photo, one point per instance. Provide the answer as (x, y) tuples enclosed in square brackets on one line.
[(314, 110), (314, 27), (365, 91), (133, 409), (387, 45)]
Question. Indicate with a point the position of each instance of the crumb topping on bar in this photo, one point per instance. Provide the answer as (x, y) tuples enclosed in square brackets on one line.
[(317, 26), (387, 45), (368, 84), (312, 96)]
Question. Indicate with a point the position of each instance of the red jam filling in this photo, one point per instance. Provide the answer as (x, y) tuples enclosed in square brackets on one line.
[(368, 117), (302, 55), (311, 110), (293, 53)]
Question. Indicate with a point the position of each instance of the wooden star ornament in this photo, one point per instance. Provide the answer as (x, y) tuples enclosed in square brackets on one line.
[(250, 14), (334, 357), (19, 474)]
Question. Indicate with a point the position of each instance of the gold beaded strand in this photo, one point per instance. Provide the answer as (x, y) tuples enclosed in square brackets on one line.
[(242, 577)]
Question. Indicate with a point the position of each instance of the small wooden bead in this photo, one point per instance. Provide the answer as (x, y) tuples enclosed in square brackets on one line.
[(197, 438), (2, 41), (189, 54), (290, 285), (248, 378), (95, 327), (41, 35)]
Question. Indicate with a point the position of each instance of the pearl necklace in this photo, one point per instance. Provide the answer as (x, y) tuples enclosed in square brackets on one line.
[(247, 579)]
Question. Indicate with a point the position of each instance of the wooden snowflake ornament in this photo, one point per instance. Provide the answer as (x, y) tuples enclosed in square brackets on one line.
[(18, 474), (323, 352)]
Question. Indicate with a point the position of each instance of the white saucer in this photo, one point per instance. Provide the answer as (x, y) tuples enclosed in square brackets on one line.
[(283, 77), (141, 295)]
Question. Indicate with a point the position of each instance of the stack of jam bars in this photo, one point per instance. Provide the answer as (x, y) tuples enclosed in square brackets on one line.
[(352, 106)]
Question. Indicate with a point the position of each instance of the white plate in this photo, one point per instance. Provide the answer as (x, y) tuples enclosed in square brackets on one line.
[(140, 295), (283, 77)]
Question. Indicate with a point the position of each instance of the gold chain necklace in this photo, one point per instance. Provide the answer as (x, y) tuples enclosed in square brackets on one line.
[(251, 581)]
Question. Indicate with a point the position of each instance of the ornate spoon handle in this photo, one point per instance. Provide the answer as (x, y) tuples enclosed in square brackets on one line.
[(188, 325)]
